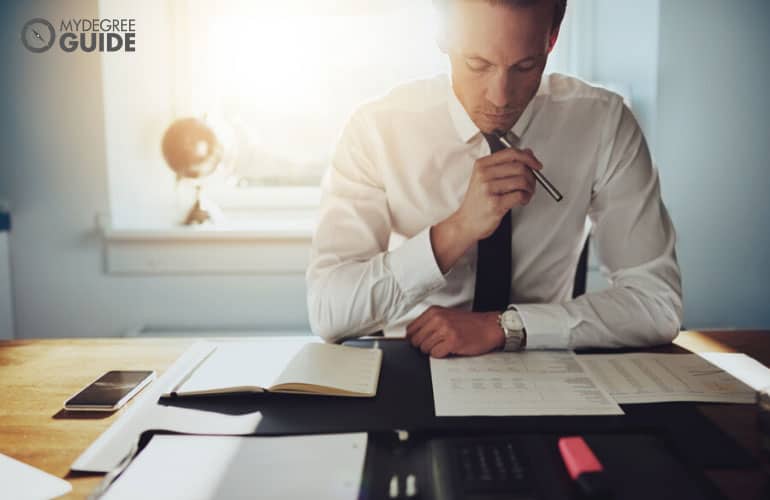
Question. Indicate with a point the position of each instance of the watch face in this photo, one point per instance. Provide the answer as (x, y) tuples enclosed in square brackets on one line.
[(512, 320), (38, 35)]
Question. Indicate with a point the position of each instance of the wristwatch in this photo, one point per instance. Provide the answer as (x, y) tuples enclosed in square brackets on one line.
[(513, 329)]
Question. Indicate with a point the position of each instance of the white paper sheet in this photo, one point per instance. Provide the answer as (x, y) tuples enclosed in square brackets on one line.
[(326, 467), (513, 383), (20, 481), (746, 369), (653, 378), (145, 413)]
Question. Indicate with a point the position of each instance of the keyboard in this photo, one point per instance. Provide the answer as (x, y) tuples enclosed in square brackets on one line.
[(487, 468)]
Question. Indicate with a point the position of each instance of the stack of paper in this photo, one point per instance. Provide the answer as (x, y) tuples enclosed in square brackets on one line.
[(24, 482), (561, 383), (327, 467)]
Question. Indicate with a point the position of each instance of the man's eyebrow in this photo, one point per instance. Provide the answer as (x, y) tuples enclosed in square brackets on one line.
[(520, 61), (526, 59), (476, 56)]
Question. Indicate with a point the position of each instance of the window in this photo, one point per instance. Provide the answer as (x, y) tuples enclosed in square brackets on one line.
[(283, 79), (277, 79)]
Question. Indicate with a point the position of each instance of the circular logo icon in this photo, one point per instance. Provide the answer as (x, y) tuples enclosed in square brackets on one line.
[(38, 35)]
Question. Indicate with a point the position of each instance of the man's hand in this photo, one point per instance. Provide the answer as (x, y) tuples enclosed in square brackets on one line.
[(440, 331), (499, 182)]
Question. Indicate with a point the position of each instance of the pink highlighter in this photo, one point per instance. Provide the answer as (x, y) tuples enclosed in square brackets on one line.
[(583, 467)]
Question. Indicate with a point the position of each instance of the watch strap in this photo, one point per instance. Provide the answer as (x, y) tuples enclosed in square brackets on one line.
[(515, 340)]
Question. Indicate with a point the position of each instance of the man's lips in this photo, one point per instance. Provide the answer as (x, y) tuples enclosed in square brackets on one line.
[(498, 116)]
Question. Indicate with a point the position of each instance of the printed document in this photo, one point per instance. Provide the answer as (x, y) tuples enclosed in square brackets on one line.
[(654, 378), (517, 383)]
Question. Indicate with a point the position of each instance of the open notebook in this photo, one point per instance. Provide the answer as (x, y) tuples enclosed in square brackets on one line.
[(301, 365)]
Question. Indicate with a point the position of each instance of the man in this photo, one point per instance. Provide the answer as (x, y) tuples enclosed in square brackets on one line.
[(424, 230)]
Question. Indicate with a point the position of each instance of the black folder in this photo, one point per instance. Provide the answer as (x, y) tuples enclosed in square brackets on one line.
[(404, 400)]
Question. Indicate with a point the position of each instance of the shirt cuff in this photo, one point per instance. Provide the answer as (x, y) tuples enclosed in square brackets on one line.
[(547, 325), (414, 266)]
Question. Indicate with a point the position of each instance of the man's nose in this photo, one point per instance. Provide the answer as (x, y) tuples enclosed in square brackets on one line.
[(497, 90)]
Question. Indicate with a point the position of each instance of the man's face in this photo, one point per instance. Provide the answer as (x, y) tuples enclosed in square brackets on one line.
[(498, 54)]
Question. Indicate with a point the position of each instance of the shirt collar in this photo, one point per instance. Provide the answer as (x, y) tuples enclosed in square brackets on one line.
[(467, 130), (465, 127)]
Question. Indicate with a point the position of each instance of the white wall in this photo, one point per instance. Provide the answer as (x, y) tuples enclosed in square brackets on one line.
[(6, 297), (625, 51), (698, 71), (714, 148), (53, 173)]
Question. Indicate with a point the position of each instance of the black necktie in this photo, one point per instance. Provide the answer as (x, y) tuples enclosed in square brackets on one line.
[(493, 266)]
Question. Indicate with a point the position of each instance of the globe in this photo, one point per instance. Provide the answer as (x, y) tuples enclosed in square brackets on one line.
[(192, 151), (191, 148)]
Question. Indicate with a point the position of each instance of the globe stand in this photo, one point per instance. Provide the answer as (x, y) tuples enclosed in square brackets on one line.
[(203, 211)]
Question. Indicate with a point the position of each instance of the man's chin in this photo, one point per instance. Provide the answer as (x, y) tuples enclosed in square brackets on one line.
[(488, 124)]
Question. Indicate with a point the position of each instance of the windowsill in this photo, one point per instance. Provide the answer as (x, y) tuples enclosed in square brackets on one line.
[(208, 233), (278, 243)]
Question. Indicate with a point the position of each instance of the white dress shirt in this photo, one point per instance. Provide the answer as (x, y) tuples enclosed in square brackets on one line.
[(403, 164)]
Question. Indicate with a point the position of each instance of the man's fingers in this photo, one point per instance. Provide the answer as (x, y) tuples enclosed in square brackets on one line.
[(505, 170), (431, 340), (513, 199), (507, 185), (425, 330), (413, 327), (441, 349), (510, 155)]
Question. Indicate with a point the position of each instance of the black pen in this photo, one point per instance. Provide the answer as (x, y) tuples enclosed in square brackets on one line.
[(555, 194)]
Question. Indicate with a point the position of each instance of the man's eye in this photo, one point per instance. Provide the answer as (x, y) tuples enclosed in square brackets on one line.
[(525, 66), (476, 65)]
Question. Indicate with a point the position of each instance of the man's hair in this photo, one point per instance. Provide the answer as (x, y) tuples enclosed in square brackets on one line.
[(559, 7)]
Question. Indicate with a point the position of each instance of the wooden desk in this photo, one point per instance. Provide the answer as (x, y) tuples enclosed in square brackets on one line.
[(36, 376)]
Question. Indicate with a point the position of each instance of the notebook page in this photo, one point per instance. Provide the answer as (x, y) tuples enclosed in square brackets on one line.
[(244, 363), (347, 368)]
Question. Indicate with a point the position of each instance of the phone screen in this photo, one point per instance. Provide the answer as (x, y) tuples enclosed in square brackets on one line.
[(109, 389)]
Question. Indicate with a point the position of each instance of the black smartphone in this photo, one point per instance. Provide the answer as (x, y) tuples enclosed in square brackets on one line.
[(110, 391)]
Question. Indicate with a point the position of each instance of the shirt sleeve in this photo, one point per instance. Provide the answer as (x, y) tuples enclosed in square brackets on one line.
[(355, 286), (634, 239)]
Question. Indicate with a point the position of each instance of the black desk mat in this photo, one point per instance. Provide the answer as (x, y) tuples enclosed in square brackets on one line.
[(405, 401), (636, 467)]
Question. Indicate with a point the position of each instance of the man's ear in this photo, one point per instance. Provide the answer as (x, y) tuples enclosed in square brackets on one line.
[(552, 39)]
